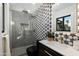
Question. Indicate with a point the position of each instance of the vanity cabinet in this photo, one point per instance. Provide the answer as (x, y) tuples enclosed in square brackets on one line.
[(46, 51)]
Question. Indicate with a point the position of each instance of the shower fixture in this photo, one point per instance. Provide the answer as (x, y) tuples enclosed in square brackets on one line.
[(25, 11), (31, 14), (24, 24)]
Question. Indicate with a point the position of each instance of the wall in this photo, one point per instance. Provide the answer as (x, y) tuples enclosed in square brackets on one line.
[(7, 45), (42, 21), (7, 41), (66, 10), (1, 48)]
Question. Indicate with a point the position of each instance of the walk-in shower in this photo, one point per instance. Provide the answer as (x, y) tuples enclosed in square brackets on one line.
[(21, 32)]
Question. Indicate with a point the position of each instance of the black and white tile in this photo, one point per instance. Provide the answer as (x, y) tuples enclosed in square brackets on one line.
[(42, 21)]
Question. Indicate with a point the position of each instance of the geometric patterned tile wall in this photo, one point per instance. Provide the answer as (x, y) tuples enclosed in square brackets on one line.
[(42, 22)]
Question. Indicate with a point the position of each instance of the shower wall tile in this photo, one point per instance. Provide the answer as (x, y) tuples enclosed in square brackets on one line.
[(27, 37), (42, 21)]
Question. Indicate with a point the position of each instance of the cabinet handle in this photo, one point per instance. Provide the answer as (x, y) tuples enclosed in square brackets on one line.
[(47, 53)]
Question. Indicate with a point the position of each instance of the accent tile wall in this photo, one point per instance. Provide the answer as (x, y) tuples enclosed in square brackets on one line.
[(42, 22)]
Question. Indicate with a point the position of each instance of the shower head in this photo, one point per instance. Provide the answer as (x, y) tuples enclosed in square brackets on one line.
[(25, 11), (24, 24), (28, 12)]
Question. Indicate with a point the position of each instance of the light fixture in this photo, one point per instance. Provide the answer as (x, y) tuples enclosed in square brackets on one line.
[(78, 28), (78, 20), (78, 13), (78, 17), (78, 6)]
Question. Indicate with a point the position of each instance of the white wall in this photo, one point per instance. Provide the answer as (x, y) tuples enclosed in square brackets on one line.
[(66, 10), (7, 29), (1, 49)]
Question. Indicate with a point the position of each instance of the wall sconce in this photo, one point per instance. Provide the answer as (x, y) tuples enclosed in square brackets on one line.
[(78, 17), (78, 6), (78, 28), (78, 14), (78, 20)]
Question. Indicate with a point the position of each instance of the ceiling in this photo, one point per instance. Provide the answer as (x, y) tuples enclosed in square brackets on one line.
[(59, 6), (32, 7), (24, 6)]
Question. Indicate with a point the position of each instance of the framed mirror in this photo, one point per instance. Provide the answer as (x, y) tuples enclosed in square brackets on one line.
[(63, 23)]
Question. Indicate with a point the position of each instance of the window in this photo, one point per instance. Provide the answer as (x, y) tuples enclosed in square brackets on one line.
[(63, 23)]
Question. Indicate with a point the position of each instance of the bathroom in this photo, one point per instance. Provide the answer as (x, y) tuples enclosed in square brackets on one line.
[(24, 36), (33, 25)]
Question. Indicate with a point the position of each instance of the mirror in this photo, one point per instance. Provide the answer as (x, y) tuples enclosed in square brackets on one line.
[(63, 23)]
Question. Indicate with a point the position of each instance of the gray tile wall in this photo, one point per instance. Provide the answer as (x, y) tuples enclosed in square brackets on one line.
[(27, 38)]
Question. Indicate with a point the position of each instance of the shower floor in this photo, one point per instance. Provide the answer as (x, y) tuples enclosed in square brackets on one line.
[(20, 51)]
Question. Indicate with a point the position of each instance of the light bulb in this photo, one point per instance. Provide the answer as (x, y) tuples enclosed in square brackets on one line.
[(78, 14), (78, 6), (78, 28), (78, 20)]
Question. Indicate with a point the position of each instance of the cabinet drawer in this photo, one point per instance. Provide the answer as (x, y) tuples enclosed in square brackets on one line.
[(43, 53), (46, 50)]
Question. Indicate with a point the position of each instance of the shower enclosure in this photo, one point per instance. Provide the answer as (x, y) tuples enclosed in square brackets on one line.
[(21, 32)]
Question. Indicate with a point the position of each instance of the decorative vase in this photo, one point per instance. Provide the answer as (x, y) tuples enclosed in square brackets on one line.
[(50, 39)]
